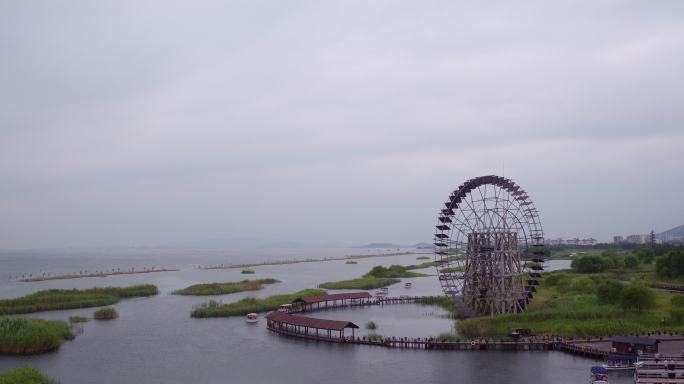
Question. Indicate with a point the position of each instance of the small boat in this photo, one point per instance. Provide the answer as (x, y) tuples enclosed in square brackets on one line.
[(621, 362), (285, 308), (252, 318), (599, 375), (407, 285), (385, 289), (380, 294)]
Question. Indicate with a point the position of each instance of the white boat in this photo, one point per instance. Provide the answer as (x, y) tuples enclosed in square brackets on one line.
[(407, 285), (285, 308), (599, 375), (252, 318), (380, 294), (621, 362)]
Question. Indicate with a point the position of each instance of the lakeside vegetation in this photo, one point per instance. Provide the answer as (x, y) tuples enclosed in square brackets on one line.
[(224, 288), (105, 314), (22, 336), (378, 277), (78, 319), (604, 294), (58, 299), (247, 305), (363, 283), (441, 301), (310, 260), (24, 375), (83, 274)]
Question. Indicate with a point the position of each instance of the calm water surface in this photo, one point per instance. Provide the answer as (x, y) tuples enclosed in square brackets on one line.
[(155, 341)]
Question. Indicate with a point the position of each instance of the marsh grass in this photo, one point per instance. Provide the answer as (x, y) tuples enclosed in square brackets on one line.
[(375, 337), (247, 305), (105, 314), (224, 288), (78, 319), (351, 262), (378, 277), (440, 301), (58, 299), (448, 337), (21, 336), (360, 283), (24, 375), (423, 258)]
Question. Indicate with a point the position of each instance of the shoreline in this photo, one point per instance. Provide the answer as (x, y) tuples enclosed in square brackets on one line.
[(298, 261), (103, 274)]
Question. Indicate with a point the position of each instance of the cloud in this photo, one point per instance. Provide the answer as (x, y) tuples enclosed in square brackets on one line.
[(343, 121)]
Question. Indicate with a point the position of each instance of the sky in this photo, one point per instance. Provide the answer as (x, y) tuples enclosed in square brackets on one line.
[(131, 123)]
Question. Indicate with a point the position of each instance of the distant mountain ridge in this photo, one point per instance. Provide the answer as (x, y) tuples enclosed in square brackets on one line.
[(676, 233), (392, 245)]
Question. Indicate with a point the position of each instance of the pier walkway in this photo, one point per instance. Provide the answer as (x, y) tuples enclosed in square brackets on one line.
[(286, 322)]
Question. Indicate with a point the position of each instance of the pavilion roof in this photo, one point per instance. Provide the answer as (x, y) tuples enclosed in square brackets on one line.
[(336, 325)]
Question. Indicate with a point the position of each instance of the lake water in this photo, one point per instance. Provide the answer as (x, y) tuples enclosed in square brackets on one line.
[(154, 340)]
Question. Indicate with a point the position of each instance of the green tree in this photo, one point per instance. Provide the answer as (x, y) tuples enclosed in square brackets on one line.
[(631, 261), (677, 300), (637, 297), (609, 292), (583, 285), (676, 315), (646, 255), (671, 265), (590, 264)]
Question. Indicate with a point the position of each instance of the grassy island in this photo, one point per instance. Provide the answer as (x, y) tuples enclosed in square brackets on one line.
[(224, 288), (310, 260), (24, 375), (20, 336), (378, 277), (105, 314), (604, 294), (82, 275), (360, 283), (58, 299), (250, 304)]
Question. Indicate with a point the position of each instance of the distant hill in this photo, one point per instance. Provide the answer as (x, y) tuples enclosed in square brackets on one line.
[(392, 245), (231, 244), (676, 233)]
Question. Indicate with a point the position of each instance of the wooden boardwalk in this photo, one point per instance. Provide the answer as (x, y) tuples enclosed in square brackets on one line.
[(654, 370), (526, 344)]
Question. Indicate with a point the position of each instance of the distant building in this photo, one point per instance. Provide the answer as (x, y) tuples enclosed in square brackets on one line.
[(590, 241), (618, 239), (575, 241), (638, 239)]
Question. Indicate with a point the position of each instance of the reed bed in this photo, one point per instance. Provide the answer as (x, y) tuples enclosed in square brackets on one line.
[(59, 299), (250, 304), (310, 260), (21, 336), (83, 274), (78, 319), (224, 288), (105, 314), (378, 277), (24, 375), (364, 283)]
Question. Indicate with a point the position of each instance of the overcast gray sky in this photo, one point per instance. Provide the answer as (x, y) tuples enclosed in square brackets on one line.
[(144, 122)]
